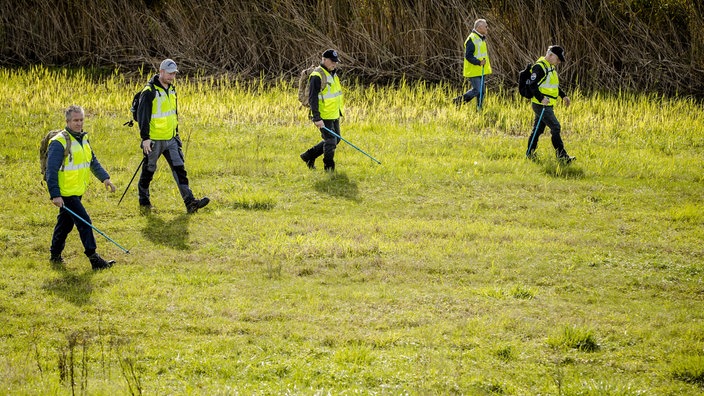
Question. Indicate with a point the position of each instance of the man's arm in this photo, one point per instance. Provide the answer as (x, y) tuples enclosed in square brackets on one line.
[(144, 113), (54, 160), (469, 54), (313, 91), (536, 76), (100, 172), (97, 169)]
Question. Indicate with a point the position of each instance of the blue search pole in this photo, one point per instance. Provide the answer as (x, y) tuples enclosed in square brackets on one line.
[(91, 226), (535, 131), (348, 142), (481, 91)]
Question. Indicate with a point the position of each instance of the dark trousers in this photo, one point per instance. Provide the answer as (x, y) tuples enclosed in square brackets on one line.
[(546, 116), (64, 224), (171, 150), (327, 146)]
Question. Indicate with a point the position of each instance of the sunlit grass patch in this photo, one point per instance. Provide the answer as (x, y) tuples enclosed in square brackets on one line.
[(254, 202), (689, 369), (689, 212), (575, 337)]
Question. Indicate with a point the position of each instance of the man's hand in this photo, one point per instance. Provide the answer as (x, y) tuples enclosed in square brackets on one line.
[(109, 185), (545, 101), (320, 124), (147, 146), (567, 101), (58, 201)]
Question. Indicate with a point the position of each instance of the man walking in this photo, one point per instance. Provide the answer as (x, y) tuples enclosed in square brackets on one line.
[(545, 85), (66, 179), (157, 115), (325, 110), (476, 64)]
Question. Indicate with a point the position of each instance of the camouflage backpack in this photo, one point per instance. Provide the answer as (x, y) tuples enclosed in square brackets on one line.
[(304, 87), (44, 147)]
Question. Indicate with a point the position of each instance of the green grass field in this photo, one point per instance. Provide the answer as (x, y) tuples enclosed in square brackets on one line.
[(454, 267)]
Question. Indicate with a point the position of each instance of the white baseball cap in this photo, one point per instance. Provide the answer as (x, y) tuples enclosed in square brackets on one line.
[(168, 65)]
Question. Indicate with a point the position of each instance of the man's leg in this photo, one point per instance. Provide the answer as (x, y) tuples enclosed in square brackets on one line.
[(64, 225), (84, 230), (330, 143), (174, 157), (555, 129), (536, 132), (145, 178), (312, 153)]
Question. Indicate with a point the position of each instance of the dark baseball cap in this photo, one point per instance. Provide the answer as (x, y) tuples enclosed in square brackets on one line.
[(332, 55), (559, 51)]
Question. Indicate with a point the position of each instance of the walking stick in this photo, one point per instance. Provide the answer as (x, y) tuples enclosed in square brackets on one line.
[(535, 131), (481, 91), (130, 183), (93, 227), (348, 142)]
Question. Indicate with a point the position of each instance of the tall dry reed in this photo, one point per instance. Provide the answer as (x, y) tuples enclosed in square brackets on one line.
[(650, 45)]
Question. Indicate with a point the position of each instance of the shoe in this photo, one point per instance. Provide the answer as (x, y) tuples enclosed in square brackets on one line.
[(145, 209), (533, 156), (310, 163), (99, 263), (56, 259), (566, 159), (458, 101), (197, 204)]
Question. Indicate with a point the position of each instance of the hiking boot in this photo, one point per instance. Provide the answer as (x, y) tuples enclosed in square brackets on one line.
[(197, 204), (56, 259), (566, 159), (145, 210), (458, 101), (533, 156), (310, 163), (99, 263)]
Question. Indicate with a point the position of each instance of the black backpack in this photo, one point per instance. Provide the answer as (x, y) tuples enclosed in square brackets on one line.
[(135, 105), (524, 82)]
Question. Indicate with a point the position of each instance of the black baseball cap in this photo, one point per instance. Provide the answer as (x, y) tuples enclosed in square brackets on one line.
[(332, 55), (557, 50)]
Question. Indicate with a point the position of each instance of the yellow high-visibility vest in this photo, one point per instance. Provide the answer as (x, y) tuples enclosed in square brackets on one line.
[(74, 175), (480, 52), (330, 96), (550, 86), (164, 121)]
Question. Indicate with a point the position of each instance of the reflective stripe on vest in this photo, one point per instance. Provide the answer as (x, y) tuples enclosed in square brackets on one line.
[(75, 174), (550, 86), (164, 120), (480, 52), (330, 96)]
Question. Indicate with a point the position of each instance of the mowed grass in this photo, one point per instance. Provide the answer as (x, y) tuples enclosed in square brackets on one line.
[(454, 267)]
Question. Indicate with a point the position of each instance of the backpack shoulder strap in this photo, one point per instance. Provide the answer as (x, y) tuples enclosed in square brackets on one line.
[(323, 76), (67, 149)]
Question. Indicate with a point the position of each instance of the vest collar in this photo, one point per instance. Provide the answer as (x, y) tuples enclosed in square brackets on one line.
[(76, 135)]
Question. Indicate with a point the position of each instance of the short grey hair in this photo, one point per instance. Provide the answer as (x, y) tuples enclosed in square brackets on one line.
[(73, 109), (479, 22)]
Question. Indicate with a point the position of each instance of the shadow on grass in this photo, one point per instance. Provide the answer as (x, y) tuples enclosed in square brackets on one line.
[(74, 288), (339, 185), (555, 168), (173, 233)]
